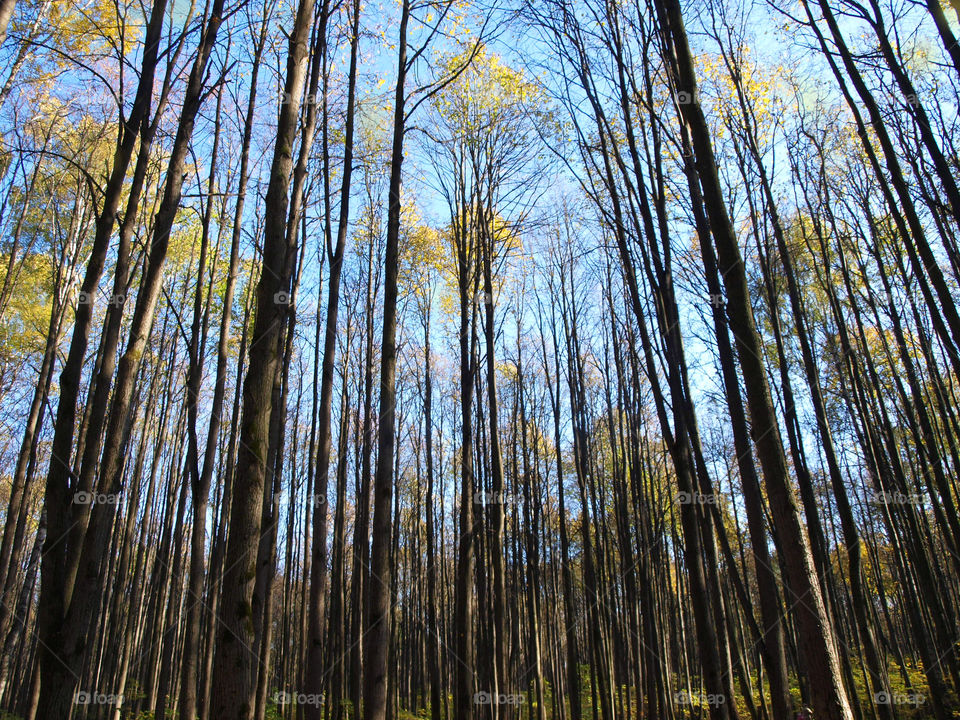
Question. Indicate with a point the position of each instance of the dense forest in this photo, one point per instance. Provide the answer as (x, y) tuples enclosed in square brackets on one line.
[(479, 359)]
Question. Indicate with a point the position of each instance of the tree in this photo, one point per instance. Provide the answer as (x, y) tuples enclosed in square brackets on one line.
[(234, 677)]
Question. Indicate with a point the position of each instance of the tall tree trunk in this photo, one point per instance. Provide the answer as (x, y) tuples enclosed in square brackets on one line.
[(201, 488), (318, 565), (64, 632), (433, 631), (57, 499), (816, 635), (487, 247), (234, 677), (377, 641)]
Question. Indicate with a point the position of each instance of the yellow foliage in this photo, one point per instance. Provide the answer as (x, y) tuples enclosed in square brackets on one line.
[(90, 25), (421, 252), (488, 94), (763, 88), (24, 324)]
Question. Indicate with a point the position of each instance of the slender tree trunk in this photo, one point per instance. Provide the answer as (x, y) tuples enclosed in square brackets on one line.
[(318, 566), (433, 631), (234, 678), (201, 489), (816, 636), (377, 641)]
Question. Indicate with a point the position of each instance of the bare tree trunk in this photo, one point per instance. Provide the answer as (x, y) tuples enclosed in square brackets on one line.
[(234, 677), (816, 636), (64, 631), (496, 503), (57, 500), (313, 680), (201, 487), (377, 642)]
